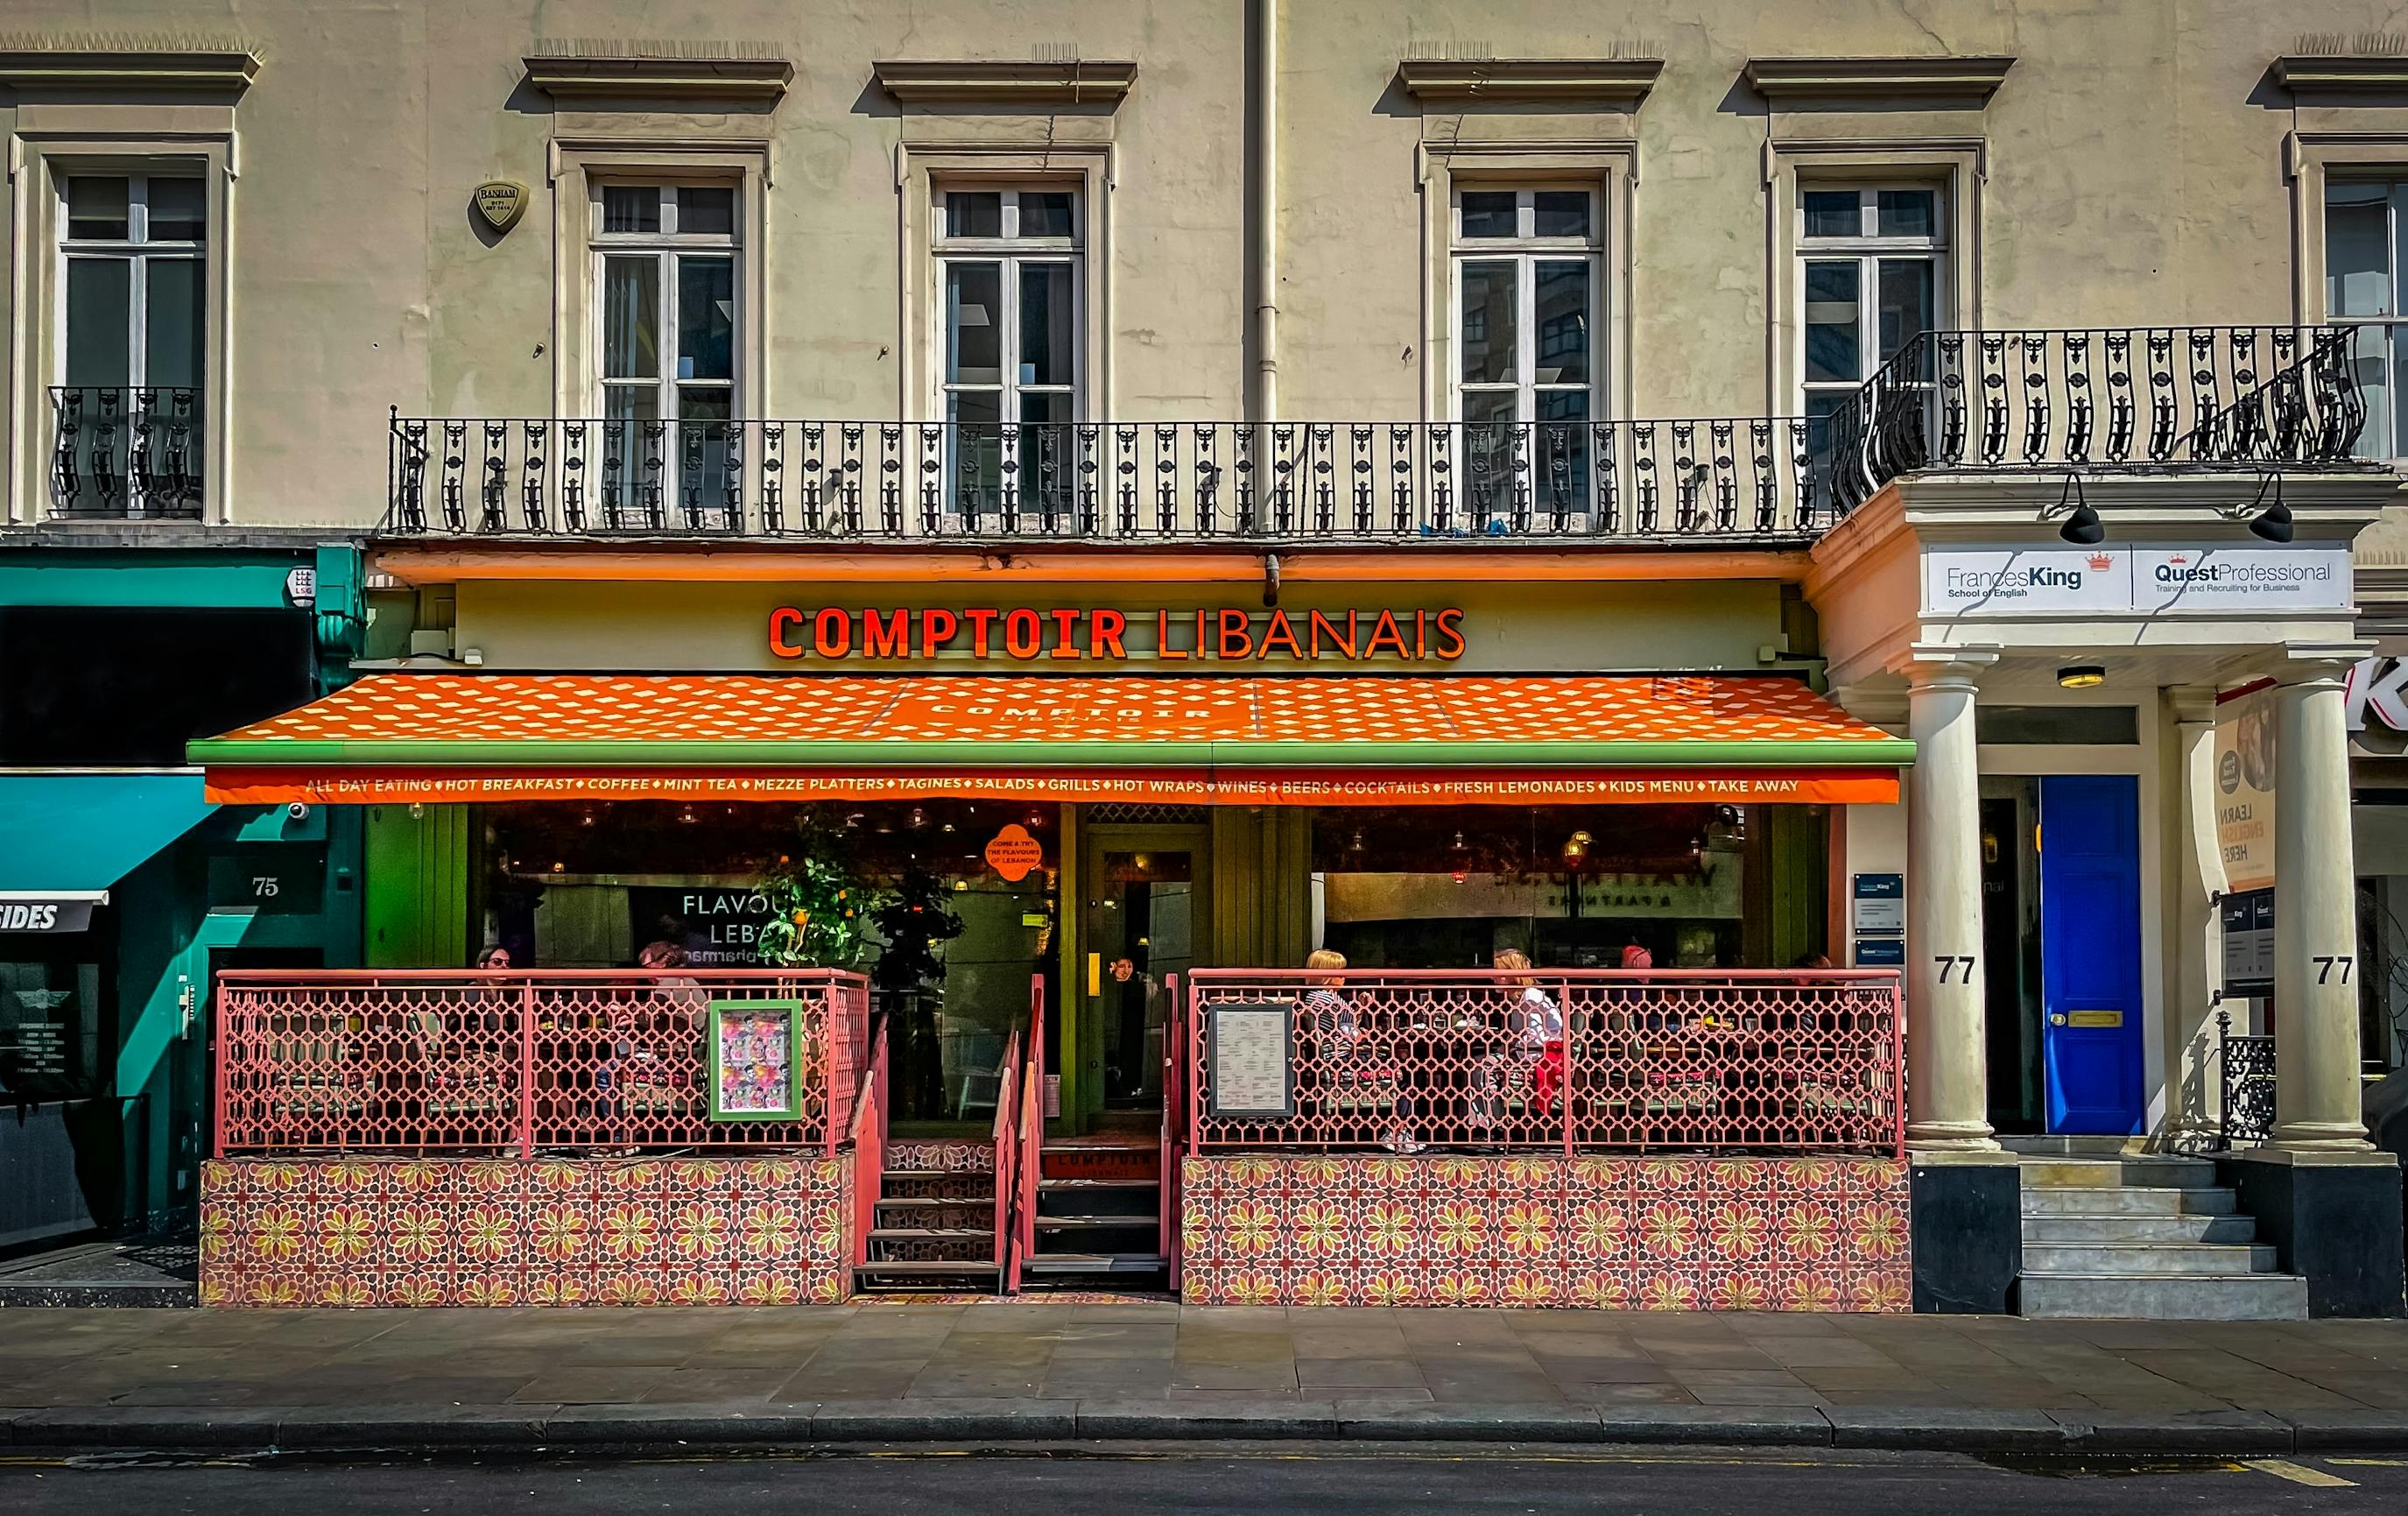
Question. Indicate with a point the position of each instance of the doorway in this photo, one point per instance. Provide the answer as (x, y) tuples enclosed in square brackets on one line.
[(1143, 922)]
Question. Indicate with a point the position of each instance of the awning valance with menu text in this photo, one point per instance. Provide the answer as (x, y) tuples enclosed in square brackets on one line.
[(1300, 740)]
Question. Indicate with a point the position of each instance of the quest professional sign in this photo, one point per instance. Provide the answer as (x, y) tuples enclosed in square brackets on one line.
[(2000, 581)]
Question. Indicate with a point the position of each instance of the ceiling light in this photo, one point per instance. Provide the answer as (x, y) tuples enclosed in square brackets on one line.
[(2081, 676)]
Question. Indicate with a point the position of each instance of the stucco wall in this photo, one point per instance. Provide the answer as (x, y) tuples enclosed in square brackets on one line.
[(2132, 171)]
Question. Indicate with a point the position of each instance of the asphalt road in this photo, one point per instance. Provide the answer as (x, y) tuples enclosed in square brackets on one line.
[(1210, 1481)]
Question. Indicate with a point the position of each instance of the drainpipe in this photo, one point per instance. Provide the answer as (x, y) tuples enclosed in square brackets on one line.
[(1266, 177)]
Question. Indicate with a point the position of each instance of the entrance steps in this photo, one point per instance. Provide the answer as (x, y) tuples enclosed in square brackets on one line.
[(1098, 1211), (2112, 1232), (935, 1228)]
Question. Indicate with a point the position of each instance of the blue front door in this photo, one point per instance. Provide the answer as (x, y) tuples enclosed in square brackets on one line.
[(2090, 952)]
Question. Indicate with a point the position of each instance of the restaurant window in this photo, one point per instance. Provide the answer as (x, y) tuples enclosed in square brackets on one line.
[(1871, 273), (1010, 338), (1572, 887), (2363, 227), (666, 302), (951, 947), (1526, 273), (134, 250)]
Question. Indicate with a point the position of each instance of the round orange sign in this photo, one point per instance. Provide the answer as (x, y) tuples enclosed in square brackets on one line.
[(1012, 852)]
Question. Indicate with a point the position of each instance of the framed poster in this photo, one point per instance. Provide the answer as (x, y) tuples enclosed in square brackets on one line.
[(1247, 1045), (756, 1059)]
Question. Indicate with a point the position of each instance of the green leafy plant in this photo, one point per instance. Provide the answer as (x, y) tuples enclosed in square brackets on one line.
[(819, 903)]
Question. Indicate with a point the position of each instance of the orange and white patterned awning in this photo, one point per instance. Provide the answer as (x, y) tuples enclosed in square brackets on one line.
[(1303, 740)]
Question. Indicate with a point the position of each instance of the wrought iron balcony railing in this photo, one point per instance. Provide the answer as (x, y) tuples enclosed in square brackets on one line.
[(2169, 399), (2105, 400), (1731, 480), (131, 451)]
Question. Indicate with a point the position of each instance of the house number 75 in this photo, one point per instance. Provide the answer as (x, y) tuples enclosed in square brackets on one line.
[(1950, 964)]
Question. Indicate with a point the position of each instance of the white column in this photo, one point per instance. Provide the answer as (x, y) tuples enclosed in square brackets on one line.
[(2315, 915), (2194, 1103), (1947, 1078)]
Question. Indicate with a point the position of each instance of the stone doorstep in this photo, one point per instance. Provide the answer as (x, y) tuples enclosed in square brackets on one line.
[(2227, 1433)]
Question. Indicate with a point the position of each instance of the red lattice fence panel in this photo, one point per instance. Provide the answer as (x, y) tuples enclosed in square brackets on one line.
[(1776, 1060), (430, 1061)]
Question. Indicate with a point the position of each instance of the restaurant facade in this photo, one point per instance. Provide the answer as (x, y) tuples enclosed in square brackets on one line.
[(1282, 652)]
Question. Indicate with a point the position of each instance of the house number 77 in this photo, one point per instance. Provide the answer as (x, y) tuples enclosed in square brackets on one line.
[(2327, 963), (1952, 965)]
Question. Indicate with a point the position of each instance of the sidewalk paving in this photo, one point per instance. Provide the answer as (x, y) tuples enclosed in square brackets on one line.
[(84, 1379)]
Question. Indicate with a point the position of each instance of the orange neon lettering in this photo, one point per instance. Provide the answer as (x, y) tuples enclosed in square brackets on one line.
[(981, 627), (1317, 624), (1023, 633), (1385, 630), (832, 632), (890, 638), (1104, 628), (1236, 641), (1448, 621), (1066, 634), (937, 629), (784, 623), (1279, 629)]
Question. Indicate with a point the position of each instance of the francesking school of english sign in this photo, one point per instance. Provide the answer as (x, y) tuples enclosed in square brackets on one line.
[(1981, 581)]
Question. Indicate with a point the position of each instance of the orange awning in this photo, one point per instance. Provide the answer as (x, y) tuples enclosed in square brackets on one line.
[(1304, 740)]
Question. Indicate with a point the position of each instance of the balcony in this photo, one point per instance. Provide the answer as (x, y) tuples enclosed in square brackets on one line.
[(2169, 401), (126, 453)]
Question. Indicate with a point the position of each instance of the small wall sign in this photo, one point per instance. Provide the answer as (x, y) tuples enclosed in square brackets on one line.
[(1013, 854), (501, 202), (1880, 901), (1247, 1045)]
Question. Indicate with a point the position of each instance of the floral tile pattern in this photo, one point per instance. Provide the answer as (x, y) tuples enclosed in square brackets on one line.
[(771, 1229), (1654, 1234)]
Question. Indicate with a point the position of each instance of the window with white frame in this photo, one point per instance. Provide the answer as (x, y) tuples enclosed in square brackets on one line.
[(1011, 333), (666, 305), (2364, 222), (1871, 277), (131, 350), (1528, 302)]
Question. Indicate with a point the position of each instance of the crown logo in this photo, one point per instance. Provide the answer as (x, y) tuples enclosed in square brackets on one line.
[(2101, 561), (2176, 557)]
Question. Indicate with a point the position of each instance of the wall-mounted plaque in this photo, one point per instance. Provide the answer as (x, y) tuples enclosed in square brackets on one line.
[(756, 1059), (501, 202), (1247, 1044)]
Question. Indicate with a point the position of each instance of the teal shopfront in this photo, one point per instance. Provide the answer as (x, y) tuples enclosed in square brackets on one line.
[(121, 888)]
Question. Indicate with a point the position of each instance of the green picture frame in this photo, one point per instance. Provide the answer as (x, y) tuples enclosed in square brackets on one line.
[(743, 1102)]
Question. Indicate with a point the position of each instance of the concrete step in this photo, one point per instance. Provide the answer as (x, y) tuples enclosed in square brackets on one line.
[(2146, 1258), (2165, 1297), (2118, 1200), (2228, 1230), (2062, 1145), (2089, 1173)]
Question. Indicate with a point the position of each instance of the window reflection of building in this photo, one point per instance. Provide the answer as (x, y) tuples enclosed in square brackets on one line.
[(1412, 888), (589, 885)]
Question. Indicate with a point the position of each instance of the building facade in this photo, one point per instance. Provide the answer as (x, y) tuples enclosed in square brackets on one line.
[(1748, 517)]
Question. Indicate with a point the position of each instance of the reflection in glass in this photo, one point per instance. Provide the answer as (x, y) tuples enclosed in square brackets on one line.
[(1834, 346), (1563, 323), (973, 213), (631, 317), (97, 208), (706, 210), (630, 208), (1488, 332), (1903, 212), (1906, 302), (1559, 214), (706, 318), (178, 212), (1488, 213), (973, 328), (100, 302), (1045, 214), (1831, 213), (172, 323), (1047, 344)]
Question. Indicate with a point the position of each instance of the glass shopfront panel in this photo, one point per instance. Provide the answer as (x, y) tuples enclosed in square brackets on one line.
[(904, 893)]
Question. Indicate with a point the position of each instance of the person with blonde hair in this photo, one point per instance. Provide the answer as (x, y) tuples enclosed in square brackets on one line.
[(1345, 1050)]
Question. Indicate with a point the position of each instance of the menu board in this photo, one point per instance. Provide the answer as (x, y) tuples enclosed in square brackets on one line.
[(757, 1060), (1251, 1073)]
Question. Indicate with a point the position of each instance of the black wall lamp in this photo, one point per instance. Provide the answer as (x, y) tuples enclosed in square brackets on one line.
[(2273, 523), (2080, 525)]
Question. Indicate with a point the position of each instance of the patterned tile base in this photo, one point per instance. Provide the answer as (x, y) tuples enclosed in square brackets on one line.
[(942, 1156), (1661, 1233), (764, 1230)]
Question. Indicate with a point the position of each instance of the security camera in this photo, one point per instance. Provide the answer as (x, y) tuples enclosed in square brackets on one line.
[(298, 811)]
